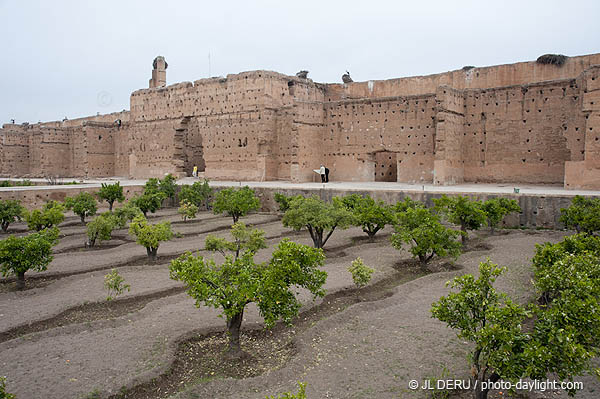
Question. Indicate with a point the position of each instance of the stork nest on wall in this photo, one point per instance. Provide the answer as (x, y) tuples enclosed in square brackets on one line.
[(554, 59), (468, 67)]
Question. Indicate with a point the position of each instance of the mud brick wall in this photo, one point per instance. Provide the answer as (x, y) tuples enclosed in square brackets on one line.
[(14, 151), (365, 140), (449, 136)]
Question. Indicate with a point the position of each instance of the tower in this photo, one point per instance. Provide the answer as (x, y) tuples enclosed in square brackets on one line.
[(159, 72)]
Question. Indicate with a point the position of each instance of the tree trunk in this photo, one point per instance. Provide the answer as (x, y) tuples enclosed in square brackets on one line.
[(234, 325), (20, 280), (371, 235), (464, 237), (318, 238), (235, 218), (110, 205), (4, 227), (152, 253), (91, 242), (82, 218)]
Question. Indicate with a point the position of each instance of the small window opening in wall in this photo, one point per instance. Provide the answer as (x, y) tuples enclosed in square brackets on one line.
[(99, 137)]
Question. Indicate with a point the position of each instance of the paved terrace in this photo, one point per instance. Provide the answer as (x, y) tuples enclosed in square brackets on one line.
[(505, 188)]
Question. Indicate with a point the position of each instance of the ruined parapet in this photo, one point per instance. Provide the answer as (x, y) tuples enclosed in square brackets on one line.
[(159, 72)]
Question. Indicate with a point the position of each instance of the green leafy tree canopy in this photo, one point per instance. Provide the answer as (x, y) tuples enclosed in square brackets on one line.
[(236, 202), (239, 280), (369, 214), (10, 212), (198, 194), (583, 215), (83, 204), (497, 208), (462, 211), (51, 214), (101, 228), (320, 218), (150, 235), (111, 193), (32, 252), (422, 230)]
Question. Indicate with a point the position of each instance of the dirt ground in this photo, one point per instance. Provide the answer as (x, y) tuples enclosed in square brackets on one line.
[(61, 339)]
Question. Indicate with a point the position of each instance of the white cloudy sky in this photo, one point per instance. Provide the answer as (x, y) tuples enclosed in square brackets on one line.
[(59, 56)]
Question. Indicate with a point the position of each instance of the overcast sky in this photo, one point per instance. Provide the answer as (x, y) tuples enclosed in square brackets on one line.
[(77, 58)]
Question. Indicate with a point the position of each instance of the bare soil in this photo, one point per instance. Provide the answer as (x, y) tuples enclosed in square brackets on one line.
[(60, 338)]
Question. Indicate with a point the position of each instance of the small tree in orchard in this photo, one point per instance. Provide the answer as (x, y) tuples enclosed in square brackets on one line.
[(426, 236), (187, 210), (583, 215), (111, 193), (101, 228), (125, 214), (403, 205), (10, 212), (150, 235), (236, 202), (148, 201), (83, 204), (284, 201), (361, 273), (497, 208), (198, 194), (239, 280), (51, 214), (462, 211), (18, 255), (114, 283), (491, 321), (3, 393), (301, 394), (320, 218), (369, 214), (168, 186)]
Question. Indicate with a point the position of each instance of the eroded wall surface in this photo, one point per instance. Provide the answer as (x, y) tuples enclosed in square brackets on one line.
[(521, 123)]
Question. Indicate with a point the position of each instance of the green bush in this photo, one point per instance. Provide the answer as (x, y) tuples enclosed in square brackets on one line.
[(284, 201), (236, 202), (101, 228), (3, 393), (462, 211), (198, 194), (369, 214), (83, 204), (51, 214), (148, 201), (240, 280), (320, 218), (111, 193), (10, 212), (583, 215), (422, 230), (18, 255), (150, 235), (497, 208), (125, 214), (361, 273), (114, 283), (301, 394), (168, 186), (187, 210)]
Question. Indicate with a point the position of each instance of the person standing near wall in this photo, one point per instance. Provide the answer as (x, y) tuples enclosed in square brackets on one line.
[(326, 175), (322, 173), (195, 171)]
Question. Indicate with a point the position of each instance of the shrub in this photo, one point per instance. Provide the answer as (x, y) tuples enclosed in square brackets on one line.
[(32, 252), (3, 393), (427, 237), (187, 210), (168, 186), (583, 215), (125, 214), (301, 394), (462, 211), (320, 218), (114, 283), (236, 202), (240, 280), (369, 214), (83, 205), (51, 214), (402, 206), (150, 235), (111, 193), (361, 273), (198, 194), (101, 228), (284, 201), (10, 212), (497, 208), (148, 201)]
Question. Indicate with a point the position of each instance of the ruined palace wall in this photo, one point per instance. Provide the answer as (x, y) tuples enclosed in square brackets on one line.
[(103, 118), (520, 73), (522, 133), (449, 136), (356, 130), (14, 151)]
